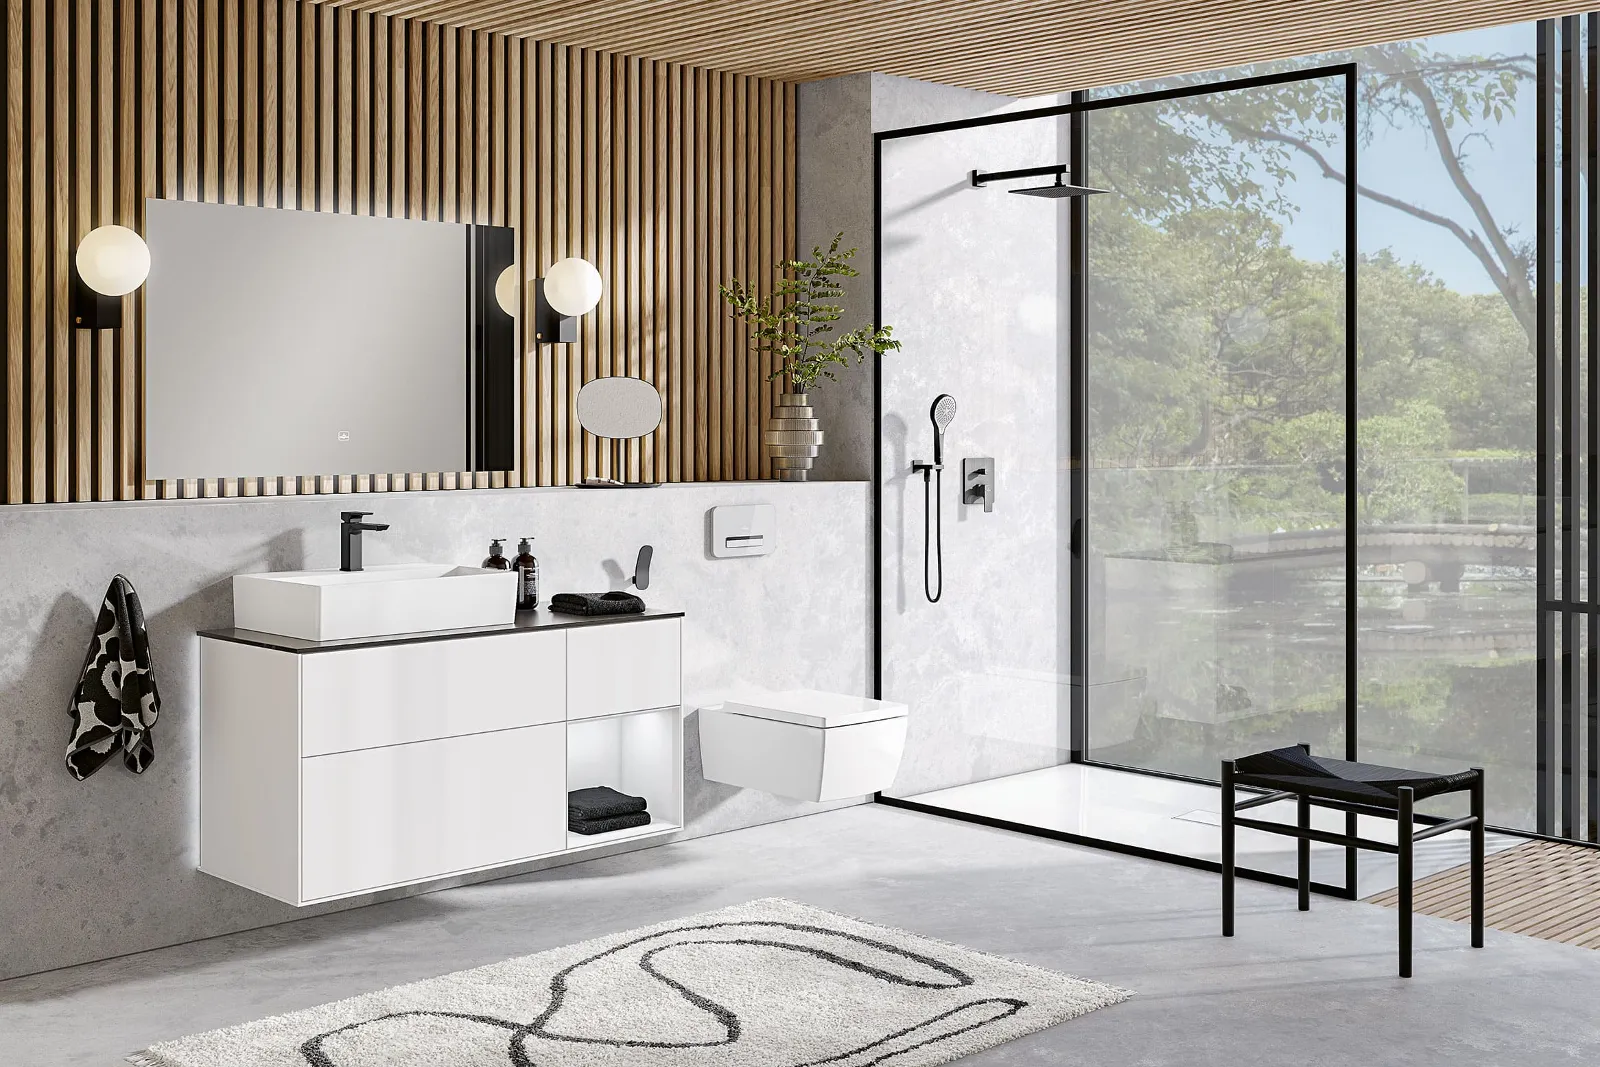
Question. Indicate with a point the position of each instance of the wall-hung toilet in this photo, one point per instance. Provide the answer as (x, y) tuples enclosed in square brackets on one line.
[(804, 744)]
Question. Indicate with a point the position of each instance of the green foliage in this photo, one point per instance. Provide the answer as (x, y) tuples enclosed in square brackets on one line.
[(1219, 360), (796, 322), (1398, 475), (1179, 154)]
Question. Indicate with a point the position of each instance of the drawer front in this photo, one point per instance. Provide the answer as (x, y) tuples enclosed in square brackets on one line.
[(384, 816), (625, 666), (396, 694)]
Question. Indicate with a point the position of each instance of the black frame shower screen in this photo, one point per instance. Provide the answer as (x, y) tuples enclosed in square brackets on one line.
[(1080, 114), (1563, 721)]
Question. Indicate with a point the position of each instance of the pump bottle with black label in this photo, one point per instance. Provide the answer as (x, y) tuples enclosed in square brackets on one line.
[(527, 568)]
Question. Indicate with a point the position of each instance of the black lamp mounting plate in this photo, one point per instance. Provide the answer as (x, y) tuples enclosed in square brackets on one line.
[(92, 310)]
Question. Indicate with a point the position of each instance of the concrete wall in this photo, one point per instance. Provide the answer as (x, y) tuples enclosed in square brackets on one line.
[(107, 866), (974, 279), (838, 117), (972, 284)]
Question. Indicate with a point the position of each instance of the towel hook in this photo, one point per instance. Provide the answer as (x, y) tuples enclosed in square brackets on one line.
[(641, 568)]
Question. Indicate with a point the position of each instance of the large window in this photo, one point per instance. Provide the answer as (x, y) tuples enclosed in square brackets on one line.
[(1445, 493), (1318, 482), (1446, 411)]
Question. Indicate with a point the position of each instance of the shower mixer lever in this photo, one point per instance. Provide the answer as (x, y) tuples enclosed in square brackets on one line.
[(977, 481)]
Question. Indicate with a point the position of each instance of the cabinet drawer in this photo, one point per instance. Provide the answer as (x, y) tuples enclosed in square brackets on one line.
[(396, 694), (618, 667), (385, 816)]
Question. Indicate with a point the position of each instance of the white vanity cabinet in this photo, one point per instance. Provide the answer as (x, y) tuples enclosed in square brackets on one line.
[(331, 769)]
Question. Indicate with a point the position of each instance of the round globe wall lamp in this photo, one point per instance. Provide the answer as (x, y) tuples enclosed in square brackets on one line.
[(571, 287), (112, 261)]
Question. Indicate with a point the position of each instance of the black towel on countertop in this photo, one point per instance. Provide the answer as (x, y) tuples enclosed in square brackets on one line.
[(615, 602), (601, 802), (606, 826), (115, 704)]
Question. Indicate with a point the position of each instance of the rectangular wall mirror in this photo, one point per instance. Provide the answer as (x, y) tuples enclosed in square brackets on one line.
[(293, 342)]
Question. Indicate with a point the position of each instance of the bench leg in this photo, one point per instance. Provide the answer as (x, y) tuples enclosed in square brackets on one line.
[(1305, 855), (1227, 848), (1403, 833), (1477, 859)]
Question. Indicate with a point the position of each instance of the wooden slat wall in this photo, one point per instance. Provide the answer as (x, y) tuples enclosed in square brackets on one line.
[(669, 178)]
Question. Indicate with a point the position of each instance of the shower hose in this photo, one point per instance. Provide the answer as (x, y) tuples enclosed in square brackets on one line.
[(932, 530)]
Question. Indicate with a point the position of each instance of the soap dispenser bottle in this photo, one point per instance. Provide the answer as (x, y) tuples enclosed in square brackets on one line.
[(497, 556), (527, 568)]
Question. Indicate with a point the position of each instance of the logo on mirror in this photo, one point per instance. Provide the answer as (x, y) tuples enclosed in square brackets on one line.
[(344, 435)]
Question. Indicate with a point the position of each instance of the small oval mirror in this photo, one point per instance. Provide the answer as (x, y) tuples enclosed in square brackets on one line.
[(619, 407)]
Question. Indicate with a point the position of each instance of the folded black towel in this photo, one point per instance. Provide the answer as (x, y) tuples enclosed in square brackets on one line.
[(605, 826), (115, 704), (612, 603), (601, 802)]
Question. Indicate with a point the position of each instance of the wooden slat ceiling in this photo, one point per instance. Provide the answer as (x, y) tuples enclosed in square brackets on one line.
[(1015, 47)]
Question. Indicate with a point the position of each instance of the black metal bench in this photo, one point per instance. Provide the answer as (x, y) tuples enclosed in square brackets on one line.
[(1358, 788)]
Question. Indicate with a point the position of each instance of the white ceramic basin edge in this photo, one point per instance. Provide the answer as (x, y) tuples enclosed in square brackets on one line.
[(382, 601)]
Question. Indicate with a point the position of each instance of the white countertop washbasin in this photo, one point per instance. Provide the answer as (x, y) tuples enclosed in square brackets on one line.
[(376, 602)]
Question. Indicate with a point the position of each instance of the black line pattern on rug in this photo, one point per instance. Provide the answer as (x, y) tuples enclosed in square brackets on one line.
[(316, 1053)]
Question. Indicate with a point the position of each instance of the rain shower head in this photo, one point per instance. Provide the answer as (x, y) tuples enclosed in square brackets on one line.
[(1058, 189), (943, 413)]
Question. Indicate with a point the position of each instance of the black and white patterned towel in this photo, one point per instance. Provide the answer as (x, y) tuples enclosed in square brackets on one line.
[(115, 704)]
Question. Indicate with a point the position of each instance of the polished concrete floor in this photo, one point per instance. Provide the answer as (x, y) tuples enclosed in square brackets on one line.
[(1290, 989)]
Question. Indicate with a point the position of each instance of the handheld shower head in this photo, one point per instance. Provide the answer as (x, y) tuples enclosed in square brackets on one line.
[(943, 413)]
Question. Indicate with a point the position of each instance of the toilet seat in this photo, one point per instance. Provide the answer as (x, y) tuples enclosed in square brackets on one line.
[(804, 744), (809, 707)]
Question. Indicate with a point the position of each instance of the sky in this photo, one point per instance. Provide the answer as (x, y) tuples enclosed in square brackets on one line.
[(1405, 164)]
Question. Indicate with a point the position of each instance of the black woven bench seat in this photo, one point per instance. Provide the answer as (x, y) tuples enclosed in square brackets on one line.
[(1357, 788), (1296, 770)]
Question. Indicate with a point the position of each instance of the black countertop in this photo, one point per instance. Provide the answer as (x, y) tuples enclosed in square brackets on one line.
[(537, 619)]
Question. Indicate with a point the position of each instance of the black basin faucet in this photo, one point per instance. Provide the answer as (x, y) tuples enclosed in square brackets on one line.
[(350, 530)]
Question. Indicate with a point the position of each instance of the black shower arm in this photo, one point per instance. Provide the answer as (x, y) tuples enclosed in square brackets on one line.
[(1056, 170)]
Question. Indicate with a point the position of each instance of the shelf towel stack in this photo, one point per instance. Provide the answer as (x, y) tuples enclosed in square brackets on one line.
[(600, 809)]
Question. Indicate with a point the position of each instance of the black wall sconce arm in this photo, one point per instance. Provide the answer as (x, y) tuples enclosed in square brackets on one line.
[(550, 327), (92, 310), (577, 288)]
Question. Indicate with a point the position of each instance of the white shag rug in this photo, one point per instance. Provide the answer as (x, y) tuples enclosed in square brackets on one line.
[(771, 983)]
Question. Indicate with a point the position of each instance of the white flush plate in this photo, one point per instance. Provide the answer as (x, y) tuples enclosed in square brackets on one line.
[(743, 530)]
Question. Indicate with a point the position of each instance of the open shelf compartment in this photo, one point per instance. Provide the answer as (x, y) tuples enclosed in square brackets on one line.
[(640, 753)]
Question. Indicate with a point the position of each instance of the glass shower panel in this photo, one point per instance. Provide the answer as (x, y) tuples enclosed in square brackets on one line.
[(1216, 406), (973, 282)]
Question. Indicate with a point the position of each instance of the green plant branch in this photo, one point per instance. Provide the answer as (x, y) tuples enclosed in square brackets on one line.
[(795, 322)]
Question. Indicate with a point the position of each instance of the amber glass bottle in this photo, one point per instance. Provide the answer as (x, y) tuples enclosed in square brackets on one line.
[(527, 568), (497, 556)]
